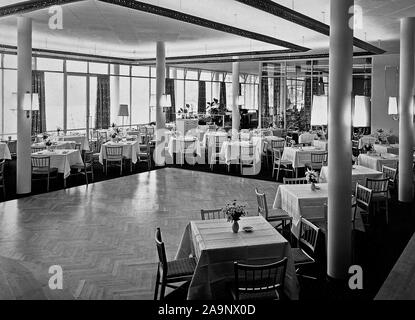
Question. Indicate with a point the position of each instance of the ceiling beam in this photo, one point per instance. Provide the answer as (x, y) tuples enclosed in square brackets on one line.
[(180, 16), (285, 13), (29, 6)]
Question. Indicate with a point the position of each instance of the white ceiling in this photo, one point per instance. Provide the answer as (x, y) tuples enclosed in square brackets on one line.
[(95, 27)]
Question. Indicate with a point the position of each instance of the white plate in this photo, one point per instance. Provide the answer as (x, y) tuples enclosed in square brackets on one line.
[(248, 229)]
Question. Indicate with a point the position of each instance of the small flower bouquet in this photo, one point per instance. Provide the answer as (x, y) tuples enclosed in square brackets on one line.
[(45, 136), (234, 211), (59, 129), (311, 176)]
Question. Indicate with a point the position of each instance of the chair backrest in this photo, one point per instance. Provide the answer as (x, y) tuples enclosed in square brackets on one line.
[(363, 196), (78, 146), (41, 162), (302, 180), (308, 234), (257, 279), (247, 152), (143, 130), (2, 163), (319, 158), (277, 144), (288, 140), (12, 145), (378, 185), (113, 152), (210, 214), (88, 157), (161, 251), (37, 149), (262, 204), (389, 173)]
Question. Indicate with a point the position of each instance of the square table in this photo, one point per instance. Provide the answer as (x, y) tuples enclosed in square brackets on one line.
[(178, 145), (366, 140), (298, 200), (4, 151), (56, 145), (321, 144), (386, 148), (376, 161), (82, 139), (129, 150), (216, 248), (230, 150), (62, 159), (359, 175), (299, 157)]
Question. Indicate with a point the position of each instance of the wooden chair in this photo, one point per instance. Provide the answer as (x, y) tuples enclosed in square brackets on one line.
[(212, 214), (113, 156), (259, 282), (188, 151), (363, 199), (246, 157), (380, 192), (86, 168), (169, 272), (278, 218), (279, 164), (95, 146), (391, 174), (277, 144), (215, 151), (12, 145), (144, 154), (41, 170), (288, 140), (302, 180), (265, 153), (2, 180), (318, 160), (37, 149), (308, 239), (78, 147)]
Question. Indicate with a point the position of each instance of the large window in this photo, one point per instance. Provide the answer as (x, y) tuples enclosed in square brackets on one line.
[(10, 101), (92, 102), (54, 100), (140, 111), (191, 94), (76, 102)]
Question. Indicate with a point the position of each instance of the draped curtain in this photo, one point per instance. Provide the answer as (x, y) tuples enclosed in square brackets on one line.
[(278, 112), (39, 117), (171, 112), (264, 93), (222, 96), (103, 106), (202, 97)]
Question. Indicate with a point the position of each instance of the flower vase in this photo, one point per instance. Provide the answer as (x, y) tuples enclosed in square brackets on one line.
[(313, 186), (235, 227)]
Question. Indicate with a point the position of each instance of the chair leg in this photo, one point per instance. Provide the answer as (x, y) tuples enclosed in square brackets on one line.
[(387, 210), (156, 289), (86, 177), (47, 184), (162, 290)]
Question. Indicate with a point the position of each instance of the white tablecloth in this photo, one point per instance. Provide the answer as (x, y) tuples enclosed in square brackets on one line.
[(387, 148), (320, 144), (300, 201), (62, 159), (4, 151), (231, 150), (376, 162), (209, 137), (307, 137), (366, 140), (82, 139), (216, 247), (56, 145), (269, 140), (359, 174), (129, 150), (299, 157), (177, 145)]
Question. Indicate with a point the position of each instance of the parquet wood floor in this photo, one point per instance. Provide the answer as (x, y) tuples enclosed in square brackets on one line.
[(103, 235)]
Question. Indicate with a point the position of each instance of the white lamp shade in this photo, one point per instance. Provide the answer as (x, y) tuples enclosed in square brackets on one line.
[(35, 102), (123, 110), (241, 100), (166, 101), (27, 102), (393, 106), (319, 111), (361, 115)]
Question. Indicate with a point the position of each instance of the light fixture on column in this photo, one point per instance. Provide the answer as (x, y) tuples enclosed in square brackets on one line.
[(361, 115), (123, 112), (319, 111), (30, 102), (165, 102), (393, 108)]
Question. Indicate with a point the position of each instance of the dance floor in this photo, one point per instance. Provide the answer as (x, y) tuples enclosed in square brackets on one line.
[(103, 235)]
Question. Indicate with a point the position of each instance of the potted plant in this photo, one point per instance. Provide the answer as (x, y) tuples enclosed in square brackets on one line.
[(234, 212)]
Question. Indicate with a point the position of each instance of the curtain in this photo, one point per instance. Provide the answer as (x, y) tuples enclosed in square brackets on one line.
[(39, 117), (103, 107), (171, 112), (264, 93), (278, 112), (222, 97), (202, 97)]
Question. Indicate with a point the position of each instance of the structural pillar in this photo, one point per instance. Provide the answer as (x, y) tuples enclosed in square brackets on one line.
[(235, 97), (340, 146), (24, 123), (116, 90), (260, 95), (160, 83), (406, 127)]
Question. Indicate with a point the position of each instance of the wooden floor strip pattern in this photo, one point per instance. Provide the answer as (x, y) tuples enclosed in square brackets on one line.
[(103, 235)]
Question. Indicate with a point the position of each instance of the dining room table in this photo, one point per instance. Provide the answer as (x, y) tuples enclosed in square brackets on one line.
[(321, 144), (5, 151), (82, 139), (56, 144), (216, 248), (299, 156), (366, 140), (359, 175), (129, 150), (62, 159), (375, 160), (386, 148), (182, 146)]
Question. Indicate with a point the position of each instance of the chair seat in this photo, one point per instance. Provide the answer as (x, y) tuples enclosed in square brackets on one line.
[(283, 162), (44, 170), (379, 197), (143, 155), (300, 256), (181, 267), (277, 214), (81, 166), (114, 159), (264, 295)]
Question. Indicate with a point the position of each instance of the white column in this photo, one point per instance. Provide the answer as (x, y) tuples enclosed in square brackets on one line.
[(116, 91), (160, 83), (406, 127), (340, 148), (24, 123), (235, 94), (260, 95)]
